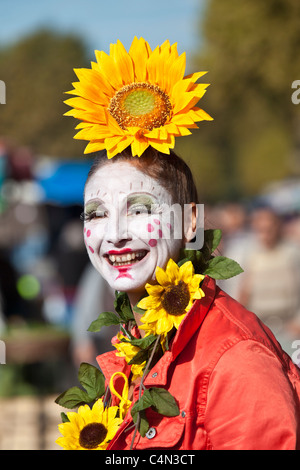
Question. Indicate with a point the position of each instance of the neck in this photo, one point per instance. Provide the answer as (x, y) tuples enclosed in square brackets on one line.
[(134, 297)]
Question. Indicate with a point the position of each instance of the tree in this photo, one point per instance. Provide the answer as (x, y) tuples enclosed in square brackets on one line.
[(37, 71), (251, 50)]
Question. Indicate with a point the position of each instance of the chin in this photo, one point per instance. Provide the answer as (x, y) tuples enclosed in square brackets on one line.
[(125, 283)]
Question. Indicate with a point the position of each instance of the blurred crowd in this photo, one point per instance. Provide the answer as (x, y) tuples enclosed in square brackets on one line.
[(46, 280), (266, 243), (46, 276)]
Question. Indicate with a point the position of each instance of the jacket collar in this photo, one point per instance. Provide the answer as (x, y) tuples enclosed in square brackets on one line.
[(190, 324), (110, 363)]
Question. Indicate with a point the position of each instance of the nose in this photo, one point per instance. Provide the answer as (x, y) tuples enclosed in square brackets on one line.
[(117, 230)]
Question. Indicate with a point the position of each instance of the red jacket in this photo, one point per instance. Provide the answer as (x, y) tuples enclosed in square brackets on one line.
[(235, 387)]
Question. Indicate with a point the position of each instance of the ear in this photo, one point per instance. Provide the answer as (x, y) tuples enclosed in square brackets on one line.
[(190, 221)]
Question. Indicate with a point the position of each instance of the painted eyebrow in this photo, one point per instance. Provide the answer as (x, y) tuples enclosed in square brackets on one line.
[(93, 203), (141, 197)]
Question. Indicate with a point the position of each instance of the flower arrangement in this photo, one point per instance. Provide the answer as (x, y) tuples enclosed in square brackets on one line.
[(163, 310), (136, 98), (90, 428)]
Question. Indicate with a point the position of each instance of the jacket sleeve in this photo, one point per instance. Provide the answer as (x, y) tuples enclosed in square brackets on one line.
[(251, 403)]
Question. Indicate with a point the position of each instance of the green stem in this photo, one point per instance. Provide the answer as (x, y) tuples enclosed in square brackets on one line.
[(141, 387)]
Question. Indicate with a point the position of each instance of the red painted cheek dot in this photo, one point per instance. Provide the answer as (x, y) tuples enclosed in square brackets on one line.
[(152, 242), (91, 249), (160, 234), (150, 228), (88, 233), (156, 221)]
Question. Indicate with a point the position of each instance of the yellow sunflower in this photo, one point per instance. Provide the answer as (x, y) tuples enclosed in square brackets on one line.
[(128, 351), (136, 98), (170, 300), (89, 429)]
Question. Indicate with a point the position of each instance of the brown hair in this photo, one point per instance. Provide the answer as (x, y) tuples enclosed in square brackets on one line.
[(169, 170)]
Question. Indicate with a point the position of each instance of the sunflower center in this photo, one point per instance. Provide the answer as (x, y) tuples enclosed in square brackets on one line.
[(92, 435), (140, 105), (176, 298)]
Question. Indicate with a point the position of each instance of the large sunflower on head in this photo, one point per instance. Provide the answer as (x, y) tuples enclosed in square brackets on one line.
[(170, 300), (136, 98), (89, 428)]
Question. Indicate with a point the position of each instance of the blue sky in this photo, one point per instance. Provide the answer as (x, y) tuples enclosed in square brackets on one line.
[(101, 22)]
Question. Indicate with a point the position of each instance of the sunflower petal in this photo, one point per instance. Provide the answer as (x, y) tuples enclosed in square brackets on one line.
[(162, 277), (154, 290), (177, 319), (186, 272), (138, 146), (164, 324), (172, 271), (94, 146), (139, 52), (123, 62)]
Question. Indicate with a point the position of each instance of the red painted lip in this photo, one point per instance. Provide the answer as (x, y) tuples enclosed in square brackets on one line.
[(119, 252)]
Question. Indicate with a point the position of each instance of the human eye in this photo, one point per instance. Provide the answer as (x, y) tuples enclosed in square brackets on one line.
[(94, 212), (139, 209), (139, 205)]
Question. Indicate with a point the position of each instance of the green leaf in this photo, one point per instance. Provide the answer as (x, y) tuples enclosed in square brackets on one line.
[(142, 343), (163, 402), (157, 398), (104, 319), (200, 258), (139, 358), (138, 310), (92, 379), (144, 424), (123, 307), (142, 404), (212, 238), (73, 398), (64, 418), (222, 268), (197, 259)]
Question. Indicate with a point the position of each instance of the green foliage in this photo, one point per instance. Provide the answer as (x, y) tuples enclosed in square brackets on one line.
[(160, 400), (204, 261), (37, 72), (104, 319), (251, 50), (92, 380), (222, 268), (123, 307), (123, 314)]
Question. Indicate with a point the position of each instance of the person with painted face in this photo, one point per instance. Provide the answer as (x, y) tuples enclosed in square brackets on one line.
[(192, 369)]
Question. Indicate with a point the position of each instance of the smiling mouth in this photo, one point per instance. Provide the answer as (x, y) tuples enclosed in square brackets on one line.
[(126, 259)]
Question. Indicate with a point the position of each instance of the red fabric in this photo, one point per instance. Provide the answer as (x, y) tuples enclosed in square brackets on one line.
[(235, 387)]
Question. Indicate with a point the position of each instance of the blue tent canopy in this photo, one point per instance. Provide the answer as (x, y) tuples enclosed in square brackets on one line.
[(62, 182)]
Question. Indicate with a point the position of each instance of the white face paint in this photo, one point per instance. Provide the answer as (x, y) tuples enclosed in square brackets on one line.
[(129, 226)]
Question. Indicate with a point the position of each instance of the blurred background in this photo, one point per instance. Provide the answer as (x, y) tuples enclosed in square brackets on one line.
[(246, 165)]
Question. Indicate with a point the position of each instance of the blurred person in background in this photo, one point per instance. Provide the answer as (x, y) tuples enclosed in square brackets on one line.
[(271, 282), (236, 242), (93, 296)]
